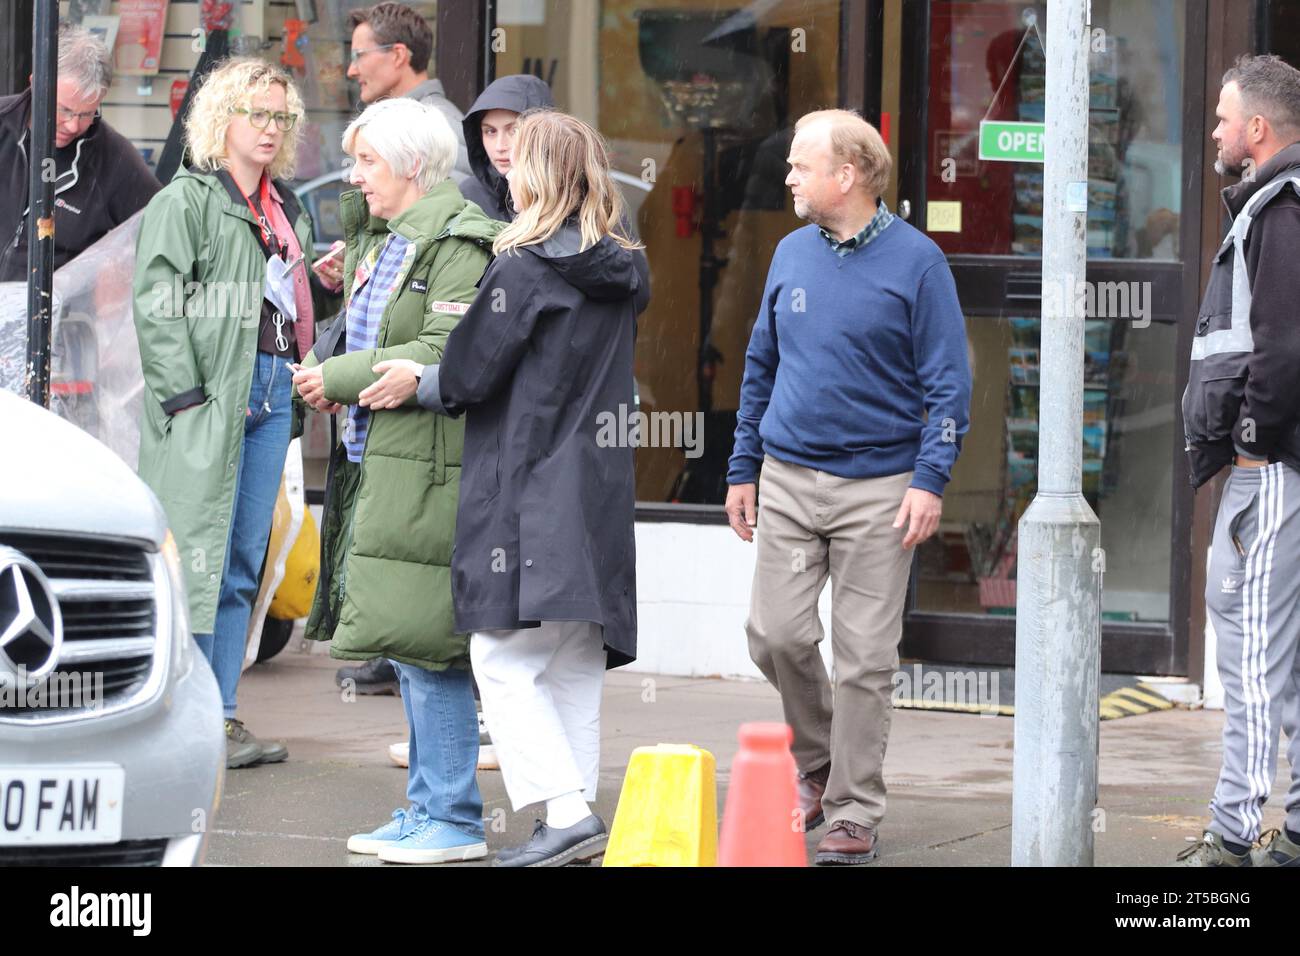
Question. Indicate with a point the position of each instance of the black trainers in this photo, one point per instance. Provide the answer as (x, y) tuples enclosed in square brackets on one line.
[(373, 677), (554, 847)]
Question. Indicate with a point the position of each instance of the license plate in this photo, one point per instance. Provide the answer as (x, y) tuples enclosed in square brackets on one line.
[(54, 805)]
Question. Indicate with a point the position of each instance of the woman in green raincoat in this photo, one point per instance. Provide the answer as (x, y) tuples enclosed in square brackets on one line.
[(223, 305)]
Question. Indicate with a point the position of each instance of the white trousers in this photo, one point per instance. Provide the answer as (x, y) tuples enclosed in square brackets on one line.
[(541, 689)]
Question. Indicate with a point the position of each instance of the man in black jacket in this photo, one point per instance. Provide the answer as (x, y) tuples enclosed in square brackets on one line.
[(100, 178), (1242, 407)]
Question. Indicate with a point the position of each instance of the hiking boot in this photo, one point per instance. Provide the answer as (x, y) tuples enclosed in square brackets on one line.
[(847, 844), (242, 749), (809, 788), (1275, 849), (378, 677), (248, 750), (1210, 851)]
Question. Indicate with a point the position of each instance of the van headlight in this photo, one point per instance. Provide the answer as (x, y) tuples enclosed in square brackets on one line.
[(182, 642)]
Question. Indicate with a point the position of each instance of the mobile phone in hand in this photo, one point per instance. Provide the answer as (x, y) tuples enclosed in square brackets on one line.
[(335, 253)]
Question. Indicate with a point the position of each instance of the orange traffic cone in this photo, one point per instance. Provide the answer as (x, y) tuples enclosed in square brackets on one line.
[(760, 824)]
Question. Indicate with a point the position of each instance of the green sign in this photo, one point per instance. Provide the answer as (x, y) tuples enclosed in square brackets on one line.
[(1009, 142)]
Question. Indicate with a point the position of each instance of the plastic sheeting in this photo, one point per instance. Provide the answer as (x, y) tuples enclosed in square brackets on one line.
[(95, 377)]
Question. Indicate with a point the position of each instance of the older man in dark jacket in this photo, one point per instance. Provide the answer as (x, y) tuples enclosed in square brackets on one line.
[(100, 178), (1242, 407)]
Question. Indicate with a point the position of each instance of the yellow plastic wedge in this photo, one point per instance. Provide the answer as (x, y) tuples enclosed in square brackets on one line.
[(668, 811)]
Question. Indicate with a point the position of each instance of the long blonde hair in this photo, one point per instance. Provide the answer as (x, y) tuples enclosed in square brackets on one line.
[(230, 86), (561, 170)]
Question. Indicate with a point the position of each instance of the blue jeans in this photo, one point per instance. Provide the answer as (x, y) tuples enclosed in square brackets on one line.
[(441, 782), (261, 465)]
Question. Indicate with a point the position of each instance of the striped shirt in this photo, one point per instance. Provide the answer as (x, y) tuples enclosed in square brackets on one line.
[(365, 313)]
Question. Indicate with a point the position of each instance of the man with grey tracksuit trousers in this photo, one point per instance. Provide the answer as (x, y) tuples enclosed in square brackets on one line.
[(1242, 408)]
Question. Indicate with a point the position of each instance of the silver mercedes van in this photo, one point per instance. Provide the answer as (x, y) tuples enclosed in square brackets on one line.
[(111, 743)]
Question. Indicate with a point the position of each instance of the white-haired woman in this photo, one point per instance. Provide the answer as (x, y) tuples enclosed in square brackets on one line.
[(544, 573), (223, 304), (415, 250)]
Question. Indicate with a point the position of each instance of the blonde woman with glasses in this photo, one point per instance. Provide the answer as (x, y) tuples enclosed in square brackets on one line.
[(544, 569), (223, 304)]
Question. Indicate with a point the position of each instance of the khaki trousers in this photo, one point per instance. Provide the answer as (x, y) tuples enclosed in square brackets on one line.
[(813, 526)]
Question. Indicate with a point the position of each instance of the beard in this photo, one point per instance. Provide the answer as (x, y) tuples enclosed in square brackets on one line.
[(804, 210), (1231, 160)]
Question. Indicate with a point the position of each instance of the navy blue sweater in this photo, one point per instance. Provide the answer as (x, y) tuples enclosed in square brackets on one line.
[(857, 365)]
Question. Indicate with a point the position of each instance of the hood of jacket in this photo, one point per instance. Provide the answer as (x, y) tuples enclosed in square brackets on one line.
[(603, 271), (515, 93), (439, 213), (1236, 195)]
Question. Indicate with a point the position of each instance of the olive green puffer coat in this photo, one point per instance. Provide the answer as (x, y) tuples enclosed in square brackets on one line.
[(385, 584)]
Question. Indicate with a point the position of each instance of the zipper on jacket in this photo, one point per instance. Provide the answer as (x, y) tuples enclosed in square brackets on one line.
[(380, 342)]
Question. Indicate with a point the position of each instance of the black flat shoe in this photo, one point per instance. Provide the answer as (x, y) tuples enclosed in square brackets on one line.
[(549, 846)]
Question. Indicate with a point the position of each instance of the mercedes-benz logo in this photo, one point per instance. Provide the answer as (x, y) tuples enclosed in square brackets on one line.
[(31, 625)]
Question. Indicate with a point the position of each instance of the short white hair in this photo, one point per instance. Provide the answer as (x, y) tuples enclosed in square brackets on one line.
[(413, 139), (85, 60)]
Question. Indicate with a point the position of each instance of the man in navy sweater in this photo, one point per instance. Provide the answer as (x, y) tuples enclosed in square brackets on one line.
[(854, 402)]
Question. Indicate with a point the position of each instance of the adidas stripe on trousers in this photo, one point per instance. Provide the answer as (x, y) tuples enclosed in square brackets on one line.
[(1252, 595)]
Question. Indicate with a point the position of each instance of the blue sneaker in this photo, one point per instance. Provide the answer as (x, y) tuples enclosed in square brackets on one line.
[(434, 841), (403, 822)]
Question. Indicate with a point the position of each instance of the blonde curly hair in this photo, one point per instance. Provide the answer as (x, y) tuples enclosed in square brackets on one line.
[(231, 86)]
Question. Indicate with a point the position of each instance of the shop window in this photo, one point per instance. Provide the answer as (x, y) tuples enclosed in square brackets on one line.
[(697, 101), (987, 62), (1128, 464)]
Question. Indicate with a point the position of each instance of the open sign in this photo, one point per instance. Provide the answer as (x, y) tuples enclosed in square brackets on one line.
[(1012, 142)]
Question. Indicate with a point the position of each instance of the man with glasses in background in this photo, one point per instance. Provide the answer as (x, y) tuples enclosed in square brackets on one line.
[(391, 47), (100, 178)]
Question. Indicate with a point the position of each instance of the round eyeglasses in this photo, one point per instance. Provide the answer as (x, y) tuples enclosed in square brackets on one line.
[(261, 119)]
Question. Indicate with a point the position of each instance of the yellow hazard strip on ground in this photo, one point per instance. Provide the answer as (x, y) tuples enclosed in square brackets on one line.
[(1142, 695), (1131, 701)]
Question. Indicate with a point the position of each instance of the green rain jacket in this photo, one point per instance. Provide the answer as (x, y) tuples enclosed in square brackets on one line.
[(385, 583), (199, 276)]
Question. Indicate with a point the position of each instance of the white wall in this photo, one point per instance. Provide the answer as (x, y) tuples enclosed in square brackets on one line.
[(693, 585)]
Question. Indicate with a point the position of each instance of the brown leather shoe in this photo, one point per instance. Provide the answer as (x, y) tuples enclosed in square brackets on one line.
[(847, 844), (811, 786)]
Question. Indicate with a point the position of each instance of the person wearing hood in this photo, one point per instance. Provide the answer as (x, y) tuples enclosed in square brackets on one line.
[(544, 567), (101, 180), (490, 127)]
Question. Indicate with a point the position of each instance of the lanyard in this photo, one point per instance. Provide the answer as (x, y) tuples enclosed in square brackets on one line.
[(269, 238)]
